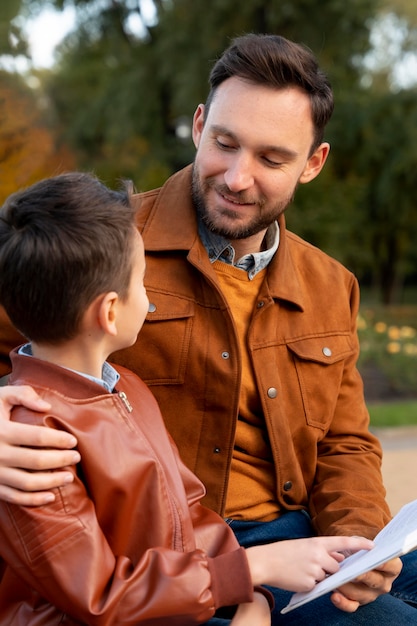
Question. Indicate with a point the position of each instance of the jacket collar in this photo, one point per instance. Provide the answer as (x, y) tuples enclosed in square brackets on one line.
[(284, 278), (172, 225), (39, 373)]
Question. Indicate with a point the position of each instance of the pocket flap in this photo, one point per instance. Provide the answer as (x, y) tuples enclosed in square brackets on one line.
[(168, 307), (326, 350)]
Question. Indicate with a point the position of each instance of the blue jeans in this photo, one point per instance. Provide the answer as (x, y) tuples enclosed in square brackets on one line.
[(398, 607)]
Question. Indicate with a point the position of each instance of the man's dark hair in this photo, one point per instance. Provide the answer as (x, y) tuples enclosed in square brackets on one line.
[(63, 241), (278, 63)]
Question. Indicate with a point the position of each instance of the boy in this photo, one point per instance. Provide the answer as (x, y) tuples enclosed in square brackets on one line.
[(128, 541)]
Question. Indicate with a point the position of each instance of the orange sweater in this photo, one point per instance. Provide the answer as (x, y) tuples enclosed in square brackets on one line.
[(251, 485)]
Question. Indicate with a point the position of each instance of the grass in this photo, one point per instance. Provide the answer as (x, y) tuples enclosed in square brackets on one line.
[(391, 414)]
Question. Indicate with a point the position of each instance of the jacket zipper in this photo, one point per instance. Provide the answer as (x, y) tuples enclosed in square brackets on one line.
[(177, 538), (123, 398)]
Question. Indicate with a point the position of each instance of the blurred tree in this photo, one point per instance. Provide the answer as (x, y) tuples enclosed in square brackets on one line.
[(126, 84), (108, 97), (362, 209), (392, 60), (12, 40), (128, 79), (379, 151), (28, 150), (402, 8)]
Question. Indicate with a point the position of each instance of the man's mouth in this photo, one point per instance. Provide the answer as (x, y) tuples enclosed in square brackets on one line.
[(234, 200)]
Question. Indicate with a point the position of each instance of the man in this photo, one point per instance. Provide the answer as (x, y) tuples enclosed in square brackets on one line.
[(251, 334)]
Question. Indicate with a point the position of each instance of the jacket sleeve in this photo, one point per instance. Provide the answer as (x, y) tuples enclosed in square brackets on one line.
[(223, 567), (348, 496), (60, 551)]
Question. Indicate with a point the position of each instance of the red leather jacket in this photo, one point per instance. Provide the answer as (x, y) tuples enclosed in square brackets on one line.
[(125, 543)]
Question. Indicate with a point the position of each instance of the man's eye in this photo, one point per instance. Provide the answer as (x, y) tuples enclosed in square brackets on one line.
[(223, 145), (272, 162)]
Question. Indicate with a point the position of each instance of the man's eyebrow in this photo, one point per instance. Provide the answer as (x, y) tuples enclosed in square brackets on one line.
[(222, 130), (278, 150)]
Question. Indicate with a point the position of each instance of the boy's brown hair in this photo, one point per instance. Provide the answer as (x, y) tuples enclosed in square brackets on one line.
[(63, 241)]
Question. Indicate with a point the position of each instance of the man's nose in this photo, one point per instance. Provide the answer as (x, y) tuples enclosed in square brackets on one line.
[(239, 174)]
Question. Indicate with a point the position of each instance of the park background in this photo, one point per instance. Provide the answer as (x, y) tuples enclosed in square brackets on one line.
[(118, 99)]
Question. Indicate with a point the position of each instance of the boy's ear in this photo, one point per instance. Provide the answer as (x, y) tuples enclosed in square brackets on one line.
[(107, 312)]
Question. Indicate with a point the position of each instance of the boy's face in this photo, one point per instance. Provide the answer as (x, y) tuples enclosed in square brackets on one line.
[(133, 310)]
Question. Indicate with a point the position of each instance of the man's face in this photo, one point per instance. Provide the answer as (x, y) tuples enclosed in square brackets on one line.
[(252, 151)]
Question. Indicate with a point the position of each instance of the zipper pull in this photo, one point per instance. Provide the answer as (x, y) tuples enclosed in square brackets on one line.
[(123, 398)]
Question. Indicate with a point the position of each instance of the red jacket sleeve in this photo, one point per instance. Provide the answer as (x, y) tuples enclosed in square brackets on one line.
[(60, 551)]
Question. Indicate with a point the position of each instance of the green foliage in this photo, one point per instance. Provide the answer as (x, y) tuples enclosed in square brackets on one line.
[(114, 89), (378, 149), (125, 79), (12, 41), (403, 8)]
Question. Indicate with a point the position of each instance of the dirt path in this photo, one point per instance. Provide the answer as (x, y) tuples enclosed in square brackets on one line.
[(399, 465)]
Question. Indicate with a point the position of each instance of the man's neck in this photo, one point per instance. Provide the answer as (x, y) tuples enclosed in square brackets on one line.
[(249, 245)]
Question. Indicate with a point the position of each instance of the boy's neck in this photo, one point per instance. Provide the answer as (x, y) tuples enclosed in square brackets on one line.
[(75, 354)]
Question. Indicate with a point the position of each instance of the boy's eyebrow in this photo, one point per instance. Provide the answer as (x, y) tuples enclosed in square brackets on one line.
[(281, 150)]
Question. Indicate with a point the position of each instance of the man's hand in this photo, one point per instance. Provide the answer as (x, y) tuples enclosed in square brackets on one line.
[(367, 587), (28, 453)]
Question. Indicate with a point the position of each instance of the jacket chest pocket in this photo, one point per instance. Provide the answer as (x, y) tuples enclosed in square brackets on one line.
[(165, 338), (319, 364)]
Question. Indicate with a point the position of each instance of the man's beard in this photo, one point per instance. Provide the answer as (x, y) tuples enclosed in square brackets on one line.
[(257, 224)]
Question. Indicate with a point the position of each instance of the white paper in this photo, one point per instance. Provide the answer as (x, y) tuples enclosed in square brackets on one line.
[(397, 538)]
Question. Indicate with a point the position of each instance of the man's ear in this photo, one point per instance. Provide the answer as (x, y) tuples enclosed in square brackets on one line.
[(198, 123), (106, 312), (315, 163)]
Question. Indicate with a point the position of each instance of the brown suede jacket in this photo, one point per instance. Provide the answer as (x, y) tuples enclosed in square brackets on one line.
[(304, 348), (125, 543)]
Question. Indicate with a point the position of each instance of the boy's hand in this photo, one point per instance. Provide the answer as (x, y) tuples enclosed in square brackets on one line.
[(256, 613), (298, 564), (28, 453)]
